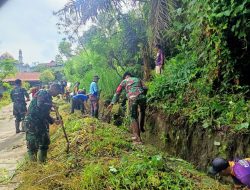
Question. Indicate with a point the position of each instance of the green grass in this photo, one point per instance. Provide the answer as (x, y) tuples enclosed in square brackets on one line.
[(103, 157)]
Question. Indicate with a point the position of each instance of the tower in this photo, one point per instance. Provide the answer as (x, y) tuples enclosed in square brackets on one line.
[(20, 57)]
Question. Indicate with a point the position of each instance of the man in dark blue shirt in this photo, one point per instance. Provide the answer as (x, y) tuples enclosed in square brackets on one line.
[(78, 101), (18, 95)]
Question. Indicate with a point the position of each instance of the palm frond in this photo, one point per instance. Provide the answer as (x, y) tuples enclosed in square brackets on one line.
[(160, 18), (77, 12)]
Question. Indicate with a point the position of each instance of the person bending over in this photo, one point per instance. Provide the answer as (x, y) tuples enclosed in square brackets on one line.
[(78, 101), (239, 170)]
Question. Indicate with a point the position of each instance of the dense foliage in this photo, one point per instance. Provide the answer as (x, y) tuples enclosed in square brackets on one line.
[(110, 48), (7, 67), (206, 79), (47, 76), (4, 94), (205, 44)]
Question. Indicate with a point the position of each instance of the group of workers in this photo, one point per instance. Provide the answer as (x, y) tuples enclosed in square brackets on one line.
[(37, 118), (136, 95), (79, 97)]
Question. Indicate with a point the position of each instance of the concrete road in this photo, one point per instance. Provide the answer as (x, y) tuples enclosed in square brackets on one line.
[(12, 148)]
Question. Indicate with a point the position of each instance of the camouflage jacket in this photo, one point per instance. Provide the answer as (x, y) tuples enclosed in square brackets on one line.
[(39, 108), (18, 95), (133, 87)]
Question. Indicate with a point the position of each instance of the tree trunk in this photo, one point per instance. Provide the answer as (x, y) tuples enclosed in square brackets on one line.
[(146, 63)]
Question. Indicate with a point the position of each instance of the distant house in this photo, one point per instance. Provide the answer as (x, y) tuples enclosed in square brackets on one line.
[(51, 65), (33, 78)]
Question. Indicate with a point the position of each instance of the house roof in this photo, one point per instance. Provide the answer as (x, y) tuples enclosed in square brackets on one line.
[(24, 76), (50, 64)]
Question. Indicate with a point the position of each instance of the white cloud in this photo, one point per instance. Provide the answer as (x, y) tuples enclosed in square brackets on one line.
[(56, 4), (29, 25)]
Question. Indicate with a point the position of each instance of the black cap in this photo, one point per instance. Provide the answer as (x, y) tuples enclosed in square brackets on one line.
[(126, 74), (218, 165), (18, 82), (96, 77), (158, 46)]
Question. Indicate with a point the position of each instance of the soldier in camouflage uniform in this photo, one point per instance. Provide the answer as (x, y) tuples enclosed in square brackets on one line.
[(37, 122), (18, 95), (135, 92)]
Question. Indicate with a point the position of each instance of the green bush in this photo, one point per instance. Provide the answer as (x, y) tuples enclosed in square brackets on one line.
[(205, 80), (5, 99)]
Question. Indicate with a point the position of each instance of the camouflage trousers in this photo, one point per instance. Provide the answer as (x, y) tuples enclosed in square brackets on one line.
[(19, 111), (37, 136), (137, 105), (137, 108)]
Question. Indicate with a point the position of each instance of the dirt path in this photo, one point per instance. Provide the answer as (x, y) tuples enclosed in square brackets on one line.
[(12, 148)]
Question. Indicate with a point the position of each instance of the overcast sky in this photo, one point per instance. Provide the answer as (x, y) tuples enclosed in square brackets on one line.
[(30, 25)]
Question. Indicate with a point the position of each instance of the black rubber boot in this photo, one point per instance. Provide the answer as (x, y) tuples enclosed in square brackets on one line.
[(142, 119), (42, 155), (32, 156), (23, 127), (17, 124), (72, 106)]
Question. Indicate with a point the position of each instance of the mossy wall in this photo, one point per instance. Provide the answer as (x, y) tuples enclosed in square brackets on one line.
[(194, 143)]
